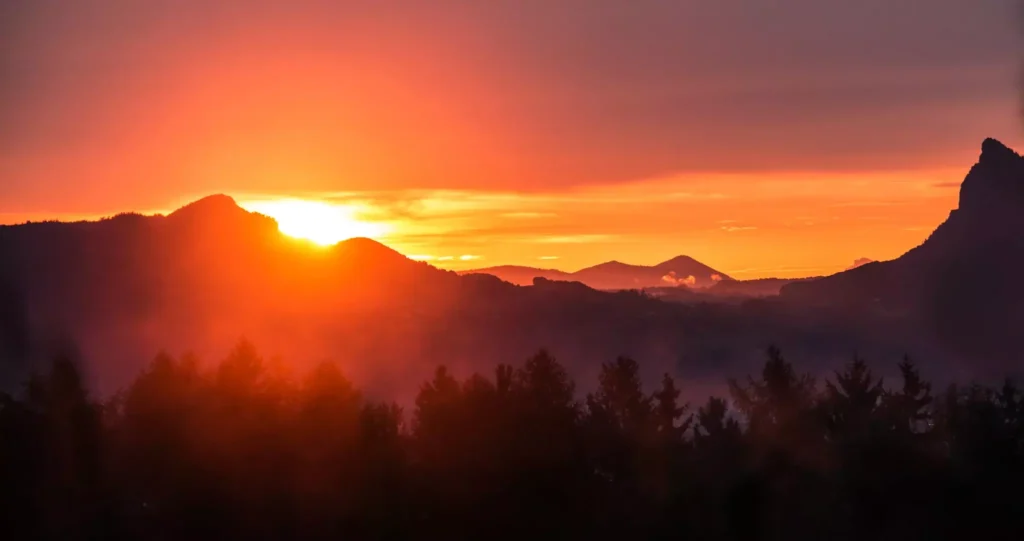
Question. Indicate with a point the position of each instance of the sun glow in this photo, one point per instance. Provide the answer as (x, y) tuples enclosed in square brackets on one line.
[(319, 222)]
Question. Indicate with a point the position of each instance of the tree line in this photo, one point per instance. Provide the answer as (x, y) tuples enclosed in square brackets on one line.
[(244, 451)]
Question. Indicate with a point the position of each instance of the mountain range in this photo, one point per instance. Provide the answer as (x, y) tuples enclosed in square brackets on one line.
[(613, 275), (118, 290)]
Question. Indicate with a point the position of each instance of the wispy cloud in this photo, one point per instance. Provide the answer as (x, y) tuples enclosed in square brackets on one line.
[(575, 239), (528, 215), (641, 221), (894, 203)]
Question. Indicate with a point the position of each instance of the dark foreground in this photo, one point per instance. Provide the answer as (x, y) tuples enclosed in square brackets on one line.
[(243, 452)]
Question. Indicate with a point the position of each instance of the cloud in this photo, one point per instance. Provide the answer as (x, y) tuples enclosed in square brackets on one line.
[(548, 257), (859, 262), (946, 185), (446, 258), (528, 215), (716, 277), (734, 229), (575, 239), (260, 94), (673, 279)]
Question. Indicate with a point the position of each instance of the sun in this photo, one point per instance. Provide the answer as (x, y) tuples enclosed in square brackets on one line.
[(319, 222)]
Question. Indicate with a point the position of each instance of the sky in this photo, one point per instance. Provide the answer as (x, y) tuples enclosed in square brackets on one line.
[(779, 138)]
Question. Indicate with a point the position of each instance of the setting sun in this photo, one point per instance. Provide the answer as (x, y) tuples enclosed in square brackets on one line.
[(319, 222)]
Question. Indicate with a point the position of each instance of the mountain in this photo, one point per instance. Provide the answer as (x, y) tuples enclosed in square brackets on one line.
[(116, 291), (965, 282), (613, 275), (202, 276)]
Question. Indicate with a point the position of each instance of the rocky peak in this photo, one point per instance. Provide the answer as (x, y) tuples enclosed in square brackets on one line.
[(993, 149), (995, 183)]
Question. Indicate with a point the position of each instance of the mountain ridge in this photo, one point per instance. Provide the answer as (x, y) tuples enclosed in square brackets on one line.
[(616, 275)]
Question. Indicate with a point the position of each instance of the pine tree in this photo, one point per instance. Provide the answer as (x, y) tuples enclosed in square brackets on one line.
[(668, 412), (851, 402)]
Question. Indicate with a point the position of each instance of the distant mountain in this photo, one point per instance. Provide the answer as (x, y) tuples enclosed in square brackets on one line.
[(860, 261), (613, 275), (965, 283), (523, 276)]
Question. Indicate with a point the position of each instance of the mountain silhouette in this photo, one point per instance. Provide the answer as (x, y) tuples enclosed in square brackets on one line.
[(118, 290), (964, 282), (198, 276), (614, 275)]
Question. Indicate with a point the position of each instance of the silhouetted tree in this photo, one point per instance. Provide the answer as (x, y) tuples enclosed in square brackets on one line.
[(670, 424), (908, 407), (621, 429), (241, 450), (779, 407), (851, 403), (790, 457), (67, 494)]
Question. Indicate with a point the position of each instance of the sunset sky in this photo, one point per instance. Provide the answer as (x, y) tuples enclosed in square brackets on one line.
[(777, 138)]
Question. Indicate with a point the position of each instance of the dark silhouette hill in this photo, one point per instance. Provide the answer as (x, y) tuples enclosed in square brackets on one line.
[(965, 283), (200, 274), (117, 290), (614, 275)]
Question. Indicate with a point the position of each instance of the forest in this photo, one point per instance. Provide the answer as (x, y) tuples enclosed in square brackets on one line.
[(245, 449)]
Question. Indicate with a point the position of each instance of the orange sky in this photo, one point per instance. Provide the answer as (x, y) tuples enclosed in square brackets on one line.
[(559, 134)]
